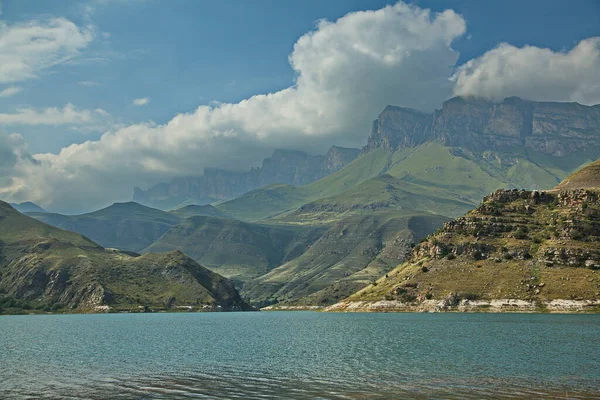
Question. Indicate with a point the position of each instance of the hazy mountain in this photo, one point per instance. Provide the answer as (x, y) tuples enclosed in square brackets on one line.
[(284, 167), (27, 207), (46, 268), (517, 250), (125, 226)]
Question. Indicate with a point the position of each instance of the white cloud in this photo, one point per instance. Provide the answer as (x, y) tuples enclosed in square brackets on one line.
[(141, 102), (534, 73), (53, 116), (347, 72), (26, 49), (10, 91), (13, 158)]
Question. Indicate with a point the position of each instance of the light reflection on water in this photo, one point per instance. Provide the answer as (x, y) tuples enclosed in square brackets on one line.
[(300, 355)]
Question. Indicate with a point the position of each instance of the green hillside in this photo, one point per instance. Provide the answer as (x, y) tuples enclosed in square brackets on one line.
[(236, 249), (276, 199), (352, 252), (124, 226), (430, 177), (43, 268)]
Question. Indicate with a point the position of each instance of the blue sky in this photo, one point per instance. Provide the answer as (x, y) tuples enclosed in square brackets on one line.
[(99, 96), (182, 54)]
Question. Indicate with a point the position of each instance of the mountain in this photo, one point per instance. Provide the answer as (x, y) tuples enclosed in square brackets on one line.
[(236, 249), (283, 167), (125, 226), (464, 151), (518, 250), (27, 207), (49, 269)]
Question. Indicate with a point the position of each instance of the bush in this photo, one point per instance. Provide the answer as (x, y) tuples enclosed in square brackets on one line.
[(451, 256), (424, 269)]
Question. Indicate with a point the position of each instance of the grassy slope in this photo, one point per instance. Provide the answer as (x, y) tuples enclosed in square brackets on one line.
[(431, 171), (275, 199), (126, 226), (352, 252), (236, 249), (46, 268)]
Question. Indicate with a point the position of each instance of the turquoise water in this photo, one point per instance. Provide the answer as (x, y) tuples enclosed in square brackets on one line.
[(299, 355)]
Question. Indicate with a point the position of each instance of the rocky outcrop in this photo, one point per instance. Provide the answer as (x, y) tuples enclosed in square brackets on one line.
[(557, 129), (519, 250), (284, 166)]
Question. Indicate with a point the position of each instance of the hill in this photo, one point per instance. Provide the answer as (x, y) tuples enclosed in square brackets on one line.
[(237, 249), (517, 251), (125, 226), (352, 252), (586, 178), (43, 268), (27, 207)]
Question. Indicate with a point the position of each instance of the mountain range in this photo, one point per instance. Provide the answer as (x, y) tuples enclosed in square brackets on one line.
[(325, 227)]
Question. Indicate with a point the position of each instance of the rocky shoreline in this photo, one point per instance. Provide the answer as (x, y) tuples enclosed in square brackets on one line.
[(494, 306)]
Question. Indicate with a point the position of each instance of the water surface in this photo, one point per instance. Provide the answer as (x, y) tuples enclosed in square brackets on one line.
[(300, 355)]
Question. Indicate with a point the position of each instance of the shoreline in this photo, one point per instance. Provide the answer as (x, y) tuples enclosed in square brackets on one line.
[(558, 306)]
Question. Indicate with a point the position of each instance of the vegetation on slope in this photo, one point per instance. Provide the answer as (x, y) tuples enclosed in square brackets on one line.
[(236, 249), (44, 268), (353, 252)]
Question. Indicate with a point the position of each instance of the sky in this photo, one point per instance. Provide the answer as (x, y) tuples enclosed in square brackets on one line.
[(99, 96)]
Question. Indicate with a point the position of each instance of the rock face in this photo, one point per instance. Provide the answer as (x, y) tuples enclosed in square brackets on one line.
[(518, 250), (284, 166), (43, 268), (556, 129)]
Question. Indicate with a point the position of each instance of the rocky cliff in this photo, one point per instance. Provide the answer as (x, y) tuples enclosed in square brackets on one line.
[(557, 129), (284, 166), (519, 250)]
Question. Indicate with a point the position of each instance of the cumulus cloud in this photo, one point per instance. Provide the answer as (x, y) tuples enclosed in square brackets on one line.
[(347, 71), (534, 73), (53, 116), (13, 157), (26, 49), (141, 102), (10, 91)]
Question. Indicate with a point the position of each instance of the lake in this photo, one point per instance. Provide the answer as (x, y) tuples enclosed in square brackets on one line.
[(300, 355)]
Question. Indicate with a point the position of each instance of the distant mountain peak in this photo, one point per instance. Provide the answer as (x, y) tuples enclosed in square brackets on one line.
[(26, 207)]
